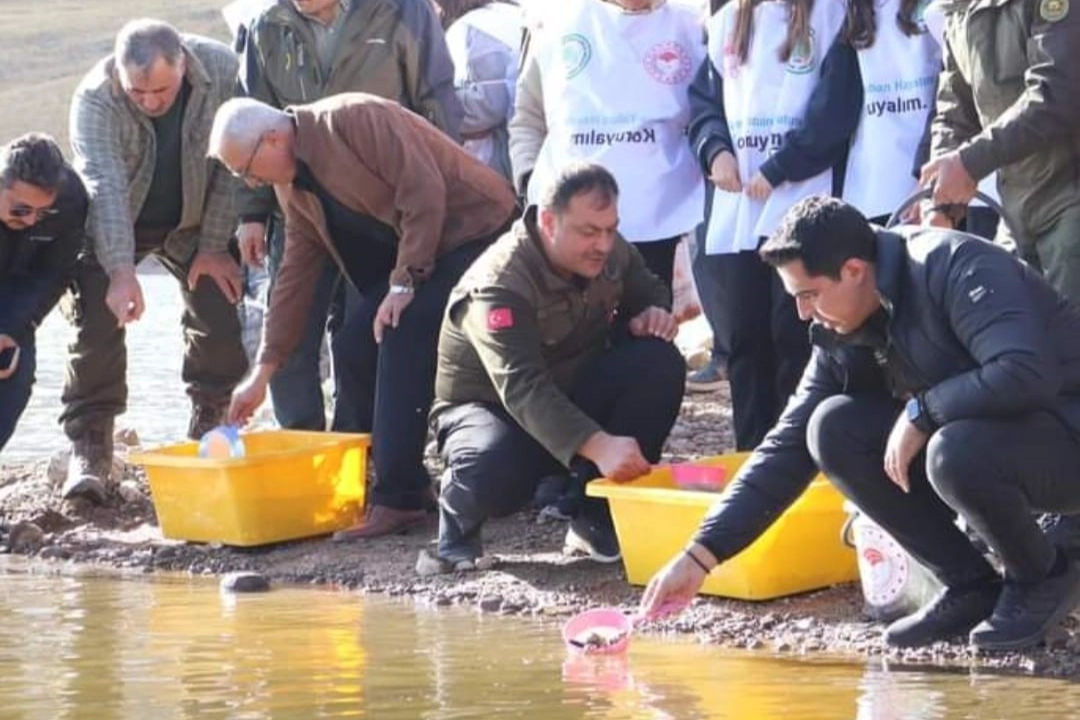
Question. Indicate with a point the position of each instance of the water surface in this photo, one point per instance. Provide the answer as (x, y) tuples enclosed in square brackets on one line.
[(76, 647)]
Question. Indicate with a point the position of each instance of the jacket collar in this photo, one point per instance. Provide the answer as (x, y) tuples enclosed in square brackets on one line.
[(889, 266)]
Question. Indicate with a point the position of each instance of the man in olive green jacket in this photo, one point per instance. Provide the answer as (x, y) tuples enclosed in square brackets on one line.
[(1009, 101), (294, 53), (554, 358)]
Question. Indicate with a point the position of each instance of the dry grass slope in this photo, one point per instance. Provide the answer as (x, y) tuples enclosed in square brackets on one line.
[(48, 46)]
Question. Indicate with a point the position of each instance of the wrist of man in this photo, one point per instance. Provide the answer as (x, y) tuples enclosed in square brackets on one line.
[(263, 371), (920, 416), (701, 556), (122, 272), (591, 448)]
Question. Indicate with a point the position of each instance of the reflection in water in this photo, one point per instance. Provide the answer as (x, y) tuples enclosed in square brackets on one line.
[(177, 649)]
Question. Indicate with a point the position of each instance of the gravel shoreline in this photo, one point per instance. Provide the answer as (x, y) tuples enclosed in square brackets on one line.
[(532, 577)]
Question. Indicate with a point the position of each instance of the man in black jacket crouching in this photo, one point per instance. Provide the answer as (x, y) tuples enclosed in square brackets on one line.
[(944, 380)]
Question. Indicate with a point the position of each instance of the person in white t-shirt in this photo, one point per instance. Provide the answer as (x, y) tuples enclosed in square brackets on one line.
[(770, 124), (606, 81)]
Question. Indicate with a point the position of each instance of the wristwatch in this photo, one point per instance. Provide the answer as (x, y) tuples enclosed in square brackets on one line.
[(401, 290), (918, 416)]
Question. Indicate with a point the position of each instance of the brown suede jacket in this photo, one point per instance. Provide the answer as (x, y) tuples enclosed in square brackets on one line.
[(376, 158)]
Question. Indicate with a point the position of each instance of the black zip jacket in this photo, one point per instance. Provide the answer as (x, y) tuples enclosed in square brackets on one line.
[(975, 331), (36, 264)]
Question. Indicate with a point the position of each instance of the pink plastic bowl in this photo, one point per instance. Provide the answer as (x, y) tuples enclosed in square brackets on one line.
[(590, 620), (692, 476)]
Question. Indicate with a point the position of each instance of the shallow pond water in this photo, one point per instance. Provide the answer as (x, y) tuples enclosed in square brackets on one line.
[(83, 647)]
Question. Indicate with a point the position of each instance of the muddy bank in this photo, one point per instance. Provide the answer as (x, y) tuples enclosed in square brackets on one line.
[(532, 577)]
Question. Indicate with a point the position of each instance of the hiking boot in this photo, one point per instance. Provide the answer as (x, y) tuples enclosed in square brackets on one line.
[(90, 464), (428, 563), (952, 612), (594, 540), (709, 378), (1063, 531), (205, 416), (1027, 611)]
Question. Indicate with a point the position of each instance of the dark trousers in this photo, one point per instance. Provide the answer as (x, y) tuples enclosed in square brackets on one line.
[(493, 466), (768, 343), (390, 385), (659, 257), (296, 386), (714, 296), (95, 383), (994, 472), (15, 391)]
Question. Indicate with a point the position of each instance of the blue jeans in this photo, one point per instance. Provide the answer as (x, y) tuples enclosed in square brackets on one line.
[(15, 391)]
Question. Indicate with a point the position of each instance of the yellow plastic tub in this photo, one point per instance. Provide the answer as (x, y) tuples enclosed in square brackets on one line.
[(802, 550), (289, 485)]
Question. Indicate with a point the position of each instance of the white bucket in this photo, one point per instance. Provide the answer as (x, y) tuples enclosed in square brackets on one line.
[(893, 583)]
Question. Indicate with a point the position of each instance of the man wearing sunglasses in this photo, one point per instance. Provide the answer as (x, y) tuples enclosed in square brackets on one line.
[(140, 123), (42, 215)]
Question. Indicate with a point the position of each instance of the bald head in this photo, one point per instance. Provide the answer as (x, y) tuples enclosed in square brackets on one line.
[(255, 141)]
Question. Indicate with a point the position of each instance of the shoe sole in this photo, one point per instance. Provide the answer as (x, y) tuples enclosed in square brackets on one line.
[(582, 550), (1038, 636)]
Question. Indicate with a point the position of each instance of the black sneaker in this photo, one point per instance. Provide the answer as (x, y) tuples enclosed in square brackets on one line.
[(1026, 612), (952, 612), (594, 540)]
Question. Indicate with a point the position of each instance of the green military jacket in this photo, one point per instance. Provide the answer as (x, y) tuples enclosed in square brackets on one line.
[(1009, 100), (516, 333)]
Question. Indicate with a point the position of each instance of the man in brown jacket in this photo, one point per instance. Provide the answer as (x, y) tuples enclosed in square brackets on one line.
[(296, 52), (403, 211)]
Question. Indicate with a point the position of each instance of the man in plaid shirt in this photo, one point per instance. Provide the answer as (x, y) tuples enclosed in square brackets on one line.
[(140, 123)]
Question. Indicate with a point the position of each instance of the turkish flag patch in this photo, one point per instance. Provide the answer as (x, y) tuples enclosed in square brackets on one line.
[(500, 318)]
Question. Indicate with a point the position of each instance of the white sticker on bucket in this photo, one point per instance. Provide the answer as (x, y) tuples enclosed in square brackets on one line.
[(883, 565)]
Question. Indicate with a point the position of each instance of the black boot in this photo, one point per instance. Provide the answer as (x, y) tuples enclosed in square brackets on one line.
[(952, 612), (1027, 611)]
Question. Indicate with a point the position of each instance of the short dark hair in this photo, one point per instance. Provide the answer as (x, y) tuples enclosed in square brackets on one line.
[(141, 42), (34, 159), (579, 179), (824, 233)]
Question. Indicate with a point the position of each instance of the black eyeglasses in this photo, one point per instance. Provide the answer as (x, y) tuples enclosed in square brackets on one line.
[(245, 174), (22, 210)]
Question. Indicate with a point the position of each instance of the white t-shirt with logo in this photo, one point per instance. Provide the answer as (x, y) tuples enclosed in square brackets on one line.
[(764, 98), (615, 93), (899, 75)]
